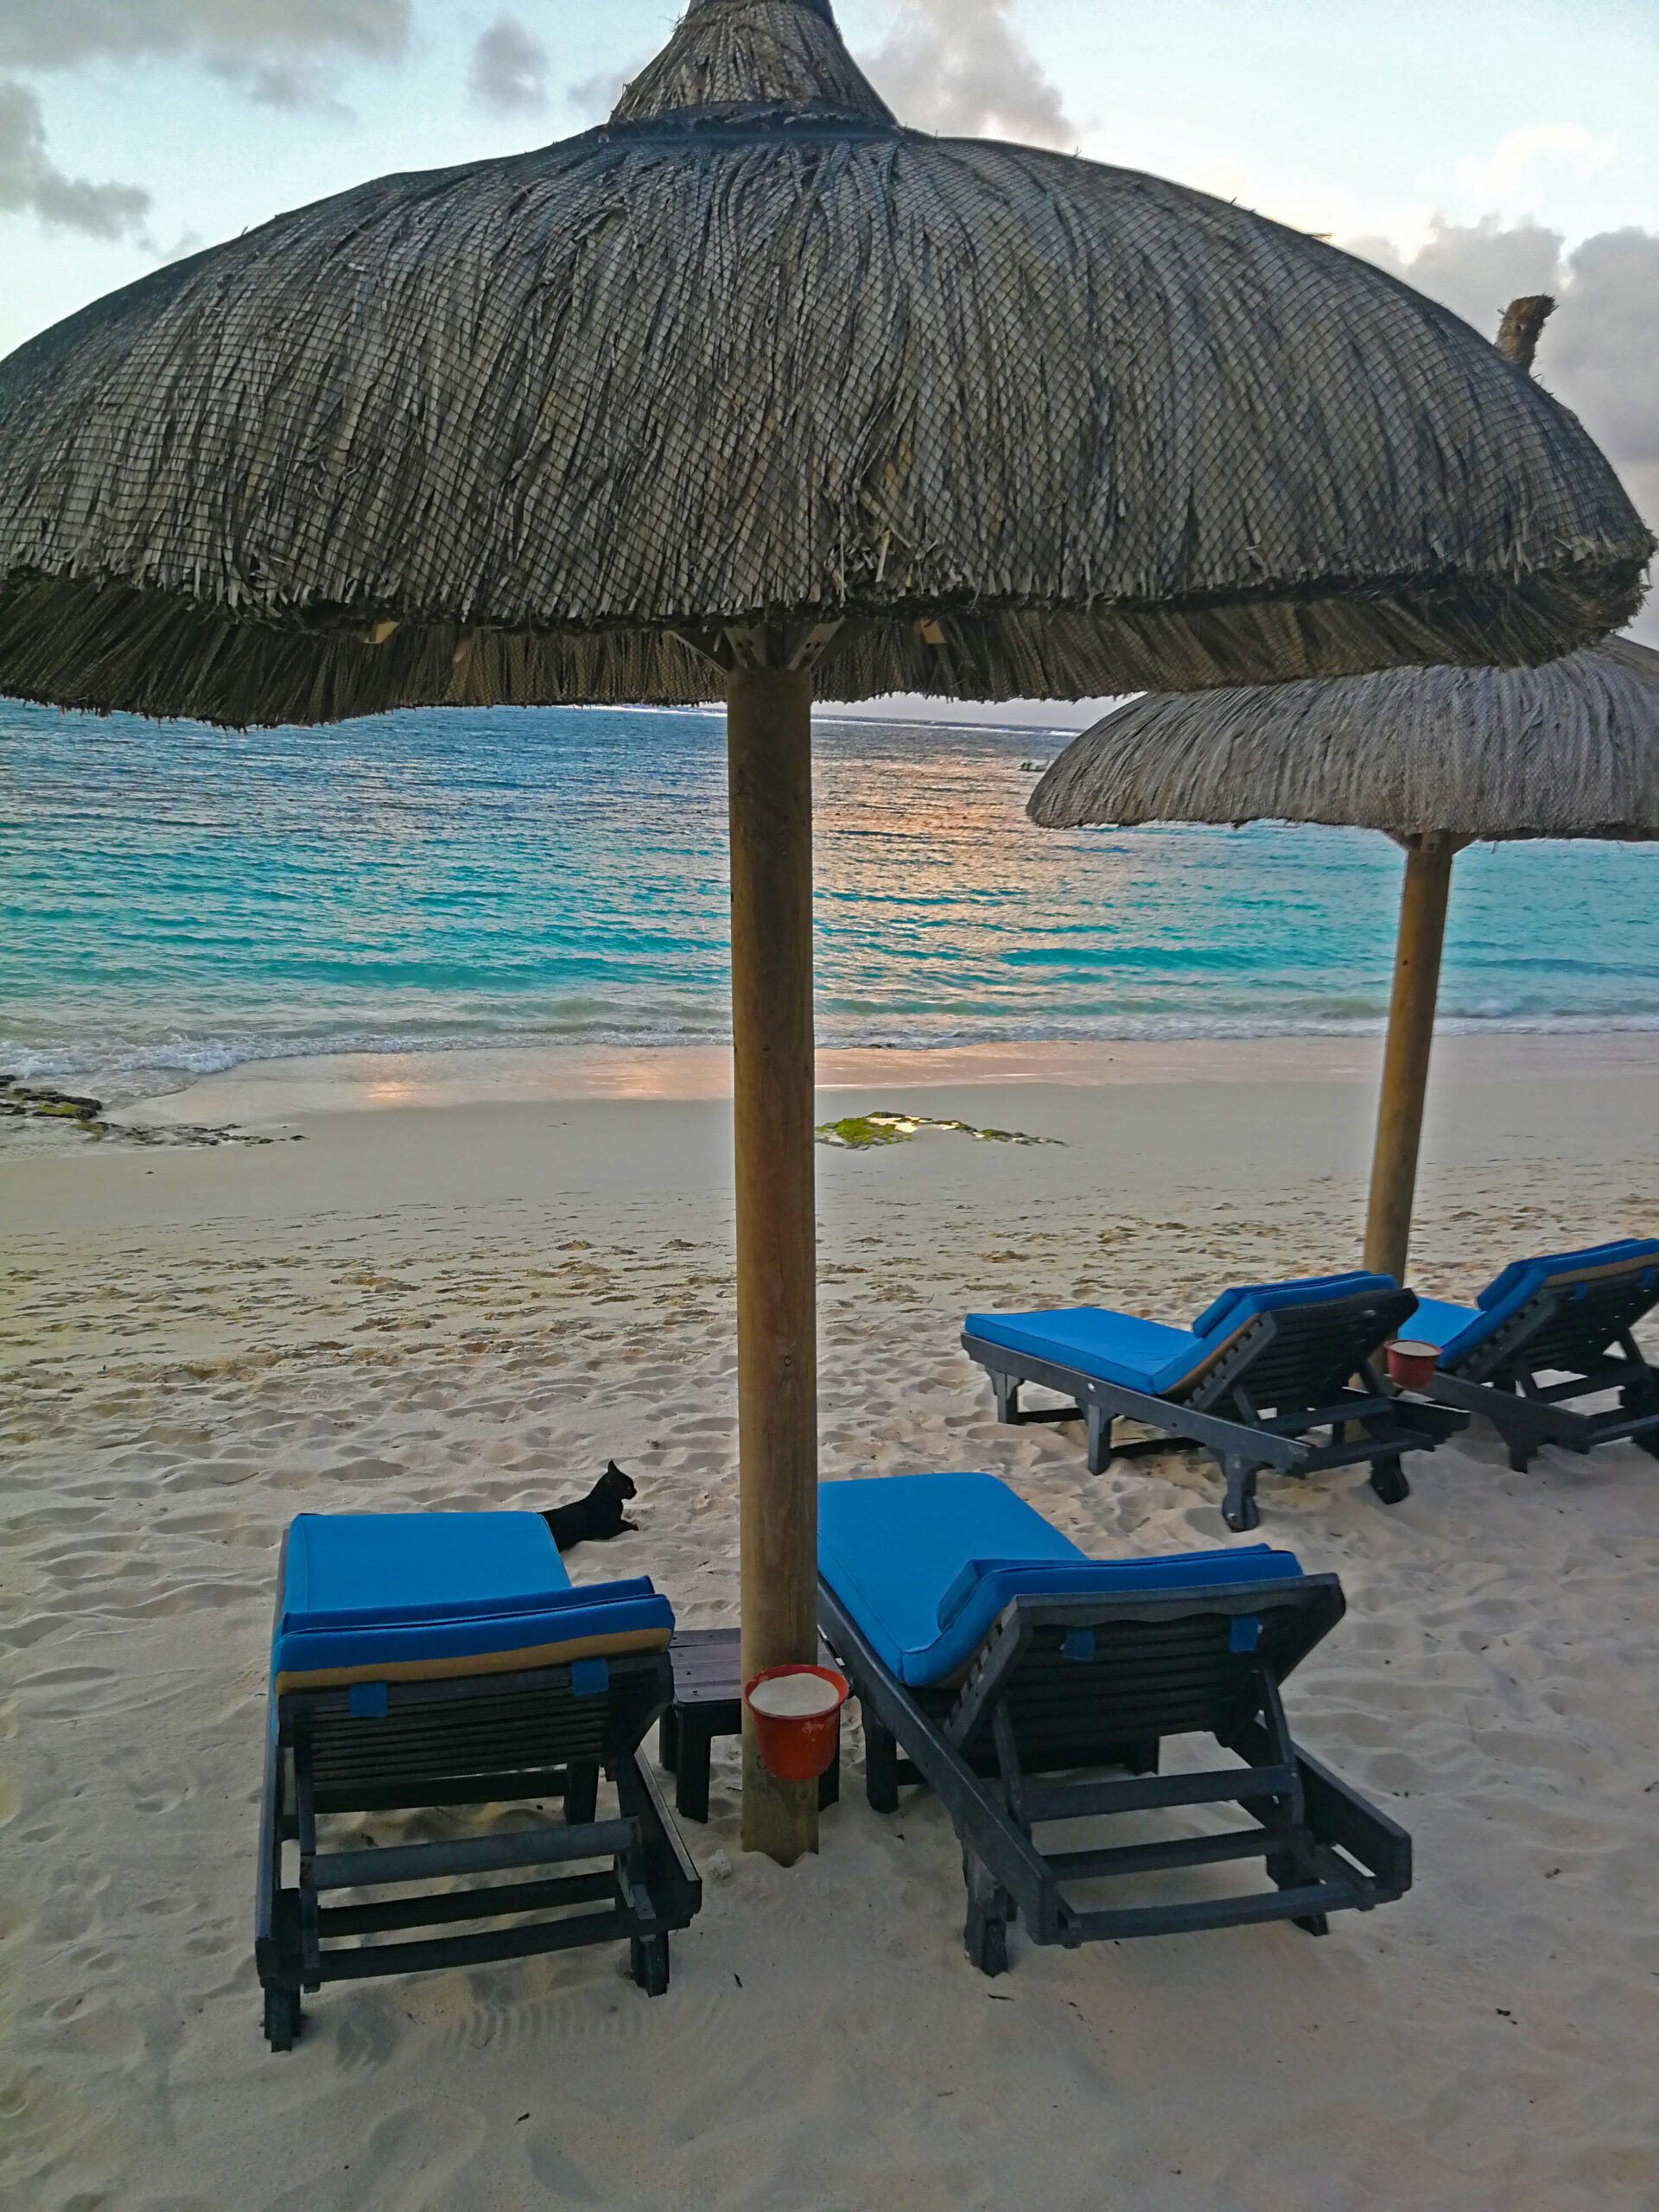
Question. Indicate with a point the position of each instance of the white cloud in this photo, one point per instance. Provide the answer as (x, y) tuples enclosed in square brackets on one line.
[(509, 67), (959, 67), (1475, 269), (57, 33), (32, 183), (594, 96), (1531, 153), (281, 52)]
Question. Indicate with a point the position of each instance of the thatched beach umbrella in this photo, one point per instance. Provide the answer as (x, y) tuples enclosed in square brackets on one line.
[(1439, 758), (749, 388)]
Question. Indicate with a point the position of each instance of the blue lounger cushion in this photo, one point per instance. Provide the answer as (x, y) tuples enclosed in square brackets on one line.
[(925, 1564), (1440, 1323), (1460, 1330), (1146, 1356), (403, 1597), (1115, 1347)]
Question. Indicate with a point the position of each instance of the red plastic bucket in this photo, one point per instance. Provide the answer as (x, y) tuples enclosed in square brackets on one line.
[(1412, 1365), (796, 1719)]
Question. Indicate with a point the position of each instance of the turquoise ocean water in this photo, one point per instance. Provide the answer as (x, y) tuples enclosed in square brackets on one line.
[(178, 899)]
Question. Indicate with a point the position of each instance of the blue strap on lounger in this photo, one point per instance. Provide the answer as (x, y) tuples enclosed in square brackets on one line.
[(924, 1564)]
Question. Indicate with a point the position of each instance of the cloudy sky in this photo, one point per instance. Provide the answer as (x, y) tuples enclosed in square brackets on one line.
[(1481, 147)]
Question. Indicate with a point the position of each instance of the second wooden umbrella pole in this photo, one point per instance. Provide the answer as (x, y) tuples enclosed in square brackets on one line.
[(1411, 1035), (769, 757)]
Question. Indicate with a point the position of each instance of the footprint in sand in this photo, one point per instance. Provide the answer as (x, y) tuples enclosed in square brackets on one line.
[(410, 2161), (559, 2174)]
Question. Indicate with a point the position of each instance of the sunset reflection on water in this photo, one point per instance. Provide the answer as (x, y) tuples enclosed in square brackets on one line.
[(184, 900)]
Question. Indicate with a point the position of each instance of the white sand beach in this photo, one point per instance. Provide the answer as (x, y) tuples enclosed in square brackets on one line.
[(452, 1287)]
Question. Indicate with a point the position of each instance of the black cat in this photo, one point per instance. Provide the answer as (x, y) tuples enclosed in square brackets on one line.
[(593, 1518)]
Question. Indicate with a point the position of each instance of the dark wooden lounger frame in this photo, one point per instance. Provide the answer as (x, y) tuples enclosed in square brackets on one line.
[(1161, 1666), (470, 1740), (1562, 1332), (1296, 1359)]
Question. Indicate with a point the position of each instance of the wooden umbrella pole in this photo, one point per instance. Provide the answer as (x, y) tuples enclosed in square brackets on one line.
[(1411, 1035), (769, 757), (1417, 961)]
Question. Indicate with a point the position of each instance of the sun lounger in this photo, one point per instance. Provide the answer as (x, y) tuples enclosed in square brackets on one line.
[(428, 1660), (1566, 1315), (988, 1652), (1256, 1374)]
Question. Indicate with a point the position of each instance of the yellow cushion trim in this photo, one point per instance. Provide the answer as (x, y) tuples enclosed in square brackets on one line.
[(481, 1663), (1189, 1382), (1598, 1274)]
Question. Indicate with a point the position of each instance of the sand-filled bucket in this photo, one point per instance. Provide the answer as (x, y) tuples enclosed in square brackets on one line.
[(796, 1719), (1412, 1365)]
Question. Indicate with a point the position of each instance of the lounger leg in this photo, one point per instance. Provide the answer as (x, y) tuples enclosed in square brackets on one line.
[(306, 1820), (1100, 1439), (985, 1935), (581, 1791), (668, 1740), (1521, 1449), (1643, 1398), (880, 1765), (1519, 1446), (1007, 1391), (648, 1963), (1285, 1874), (1388, 1479), (1238, 1508), (691, 1784), (830, 1780), (648, 1945), (276, 1942), (282, 2017)]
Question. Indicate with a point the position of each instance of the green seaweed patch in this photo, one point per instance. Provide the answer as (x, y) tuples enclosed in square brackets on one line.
[(34, 1100), (859, 1132)]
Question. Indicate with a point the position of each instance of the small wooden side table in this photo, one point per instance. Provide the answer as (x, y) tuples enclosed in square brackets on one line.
[(708, 1702)]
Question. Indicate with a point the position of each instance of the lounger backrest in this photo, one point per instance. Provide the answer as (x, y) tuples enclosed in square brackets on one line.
[(1286, 1352), (1222, 1311), (1590, 1262), (1558, 1315), (416, 1738), (1094, 1677)]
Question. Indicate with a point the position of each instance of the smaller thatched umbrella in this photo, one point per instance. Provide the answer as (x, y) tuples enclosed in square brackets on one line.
[(1439, 758)]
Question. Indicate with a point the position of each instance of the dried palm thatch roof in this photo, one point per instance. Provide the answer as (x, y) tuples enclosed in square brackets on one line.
[(1571, 750), (538, 428)]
